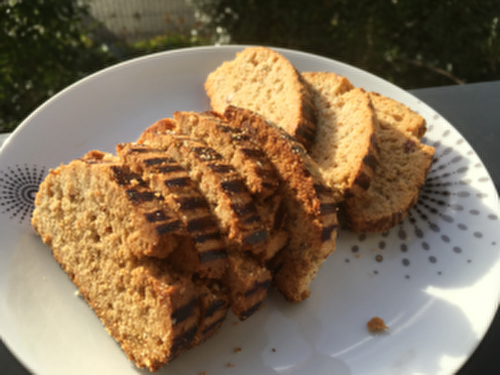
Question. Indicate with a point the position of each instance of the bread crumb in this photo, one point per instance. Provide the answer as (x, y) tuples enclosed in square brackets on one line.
[(376, 325), (229, 364), (274, 350), (237, 350), (204, 373)]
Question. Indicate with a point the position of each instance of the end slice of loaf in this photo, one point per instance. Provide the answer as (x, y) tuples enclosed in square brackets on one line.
[(265, 82), (403, 166), (97, 220), (311, 211), (346, 144)]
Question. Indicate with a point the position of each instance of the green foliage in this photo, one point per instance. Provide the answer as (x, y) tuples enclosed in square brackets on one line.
[(414, 43), (42, 49), (48, 44)]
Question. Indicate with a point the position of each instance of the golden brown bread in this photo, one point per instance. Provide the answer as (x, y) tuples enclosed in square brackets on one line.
[(311, 211), (264, 81), (346, 143), (91, 213)]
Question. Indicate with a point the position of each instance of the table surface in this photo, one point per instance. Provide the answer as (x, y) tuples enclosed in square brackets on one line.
[(474, 110)]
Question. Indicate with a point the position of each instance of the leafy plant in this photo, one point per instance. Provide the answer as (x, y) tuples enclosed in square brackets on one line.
[(414, 43)]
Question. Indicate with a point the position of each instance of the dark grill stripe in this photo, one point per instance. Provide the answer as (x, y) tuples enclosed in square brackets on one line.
[(252, 219), (326, 234), (256, 237), (370, 160), (363, 181), (206, 153), (249, 312), (214, 325), (228, 129), (124, 176), (214, 307), (182, 341), (137, 197), (211, 255), (169, 227), (157, 161), (192, 203), (156, 216), (222, 168), (200, 238), (253, 153), (233, 186), (203, 224), (183, 312), (176, 182), (328, 208), (257, 286), (243, 209)]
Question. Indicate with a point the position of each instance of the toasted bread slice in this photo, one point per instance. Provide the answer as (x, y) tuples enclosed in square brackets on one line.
[(311, 211), (264, 81), (403, 166), (232, 205), (96, 217), (168, 178), (346, 143), (249, 160)]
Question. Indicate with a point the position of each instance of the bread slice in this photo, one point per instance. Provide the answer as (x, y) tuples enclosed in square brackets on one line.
[(167, 177), (264, 81), (249, 160), (400, 116), (403, 166), (231, 203), (311, 211), (100, 222), (346, 143)]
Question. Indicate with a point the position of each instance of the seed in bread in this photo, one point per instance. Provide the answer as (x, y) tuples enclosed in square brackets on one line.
[(346, 144), (264, 81), (100, 221), (311, 211)]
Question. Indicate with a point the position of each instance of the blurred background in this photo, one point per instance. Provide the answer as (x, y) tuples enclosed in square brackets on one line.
[(45, 45)]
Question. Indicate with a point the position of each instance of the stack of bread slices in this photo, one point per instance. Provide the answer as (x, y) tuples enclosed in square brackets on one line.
[(206, 211)]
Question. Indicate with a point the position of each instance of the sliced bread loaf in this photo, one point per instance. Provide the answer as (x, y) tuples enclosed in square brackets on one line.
[(265, 82)]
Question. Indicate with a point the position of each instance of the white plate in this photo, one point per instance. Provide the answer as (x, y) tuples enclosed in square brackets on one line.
[(434, 279)]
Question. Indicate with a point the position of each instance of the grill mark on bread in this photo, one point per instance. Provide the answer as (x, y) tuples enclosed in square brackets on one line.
[(180, 194), (208, 256), (258, 286), (173, 226), (183, 312), (249, 312), (182, 341), (213, 325), (310, 209), (214, 307), (155, 216), (233, 186)]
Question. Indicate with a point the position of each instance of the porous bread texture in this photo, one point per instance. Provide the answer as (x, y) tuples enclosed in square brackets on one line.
[(399, 115), (87, 220), (346, 143), (265, 82), (310, 210), (404, 163)]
